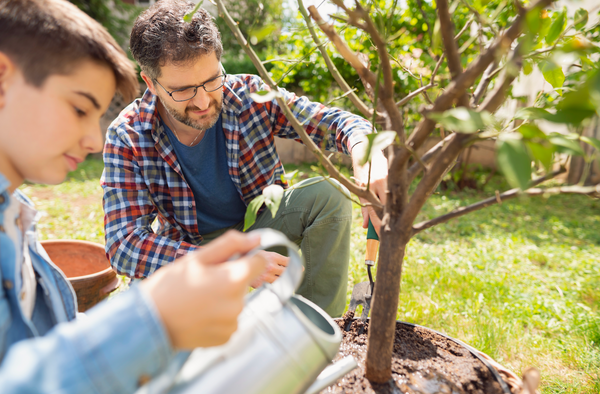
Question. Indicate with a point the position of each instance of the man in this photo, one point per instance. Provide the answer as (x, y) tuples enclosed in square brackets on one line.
[(59, 71), (183, 162)]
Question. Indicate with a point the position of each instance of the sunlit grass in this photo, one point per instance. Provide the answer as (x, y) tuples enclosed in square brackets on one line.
[(73, 209), (519, 281)]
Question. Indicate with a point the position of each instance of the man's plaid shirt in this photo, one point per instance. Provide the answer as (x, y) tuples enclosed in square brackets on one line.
[(143, 181)]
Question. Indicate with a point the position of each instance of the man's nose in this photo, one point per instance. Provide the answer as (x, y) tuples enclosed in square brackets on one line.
[(201, 99)]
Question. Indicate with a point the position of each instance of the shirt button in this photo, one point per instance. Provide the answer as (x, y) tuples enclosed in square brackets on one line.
[(189, 206), (7, 284), (2, 199)]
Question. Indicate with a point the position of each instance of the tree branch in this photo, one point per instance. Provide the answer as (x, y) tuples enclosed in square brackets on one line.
[(447, 32), (464, 81), (359, 191), (358, 103), (342, 47), (498, 199), (414, 94), (432, 178), (513, 66), (427, 158), (486, 78), (387, 89)]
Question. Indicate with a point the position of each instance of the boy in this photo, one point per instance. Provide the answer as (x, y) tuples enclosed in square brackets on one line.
[(58, 62)]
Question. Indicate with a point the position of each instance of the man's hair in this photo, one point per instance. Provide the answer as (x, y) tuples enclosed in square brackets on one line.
[(161, 36), (49, 37)]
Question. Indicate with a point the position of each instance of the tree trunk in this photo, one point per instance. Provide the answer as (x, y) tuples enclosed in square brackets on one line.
[(385, 300)]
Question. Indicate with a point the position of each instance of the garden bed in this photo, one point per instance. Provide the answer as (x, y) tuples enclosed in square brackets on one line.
[(424, 361)]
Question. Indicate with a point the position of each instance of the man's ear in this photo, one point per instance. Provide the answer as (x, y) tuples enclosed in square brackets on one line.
[(149, 82), (7, 71)]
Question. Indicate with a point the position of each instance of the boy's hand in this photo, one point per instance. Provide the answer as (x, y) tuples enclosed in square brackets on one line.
[(200, 297), (276, 264)]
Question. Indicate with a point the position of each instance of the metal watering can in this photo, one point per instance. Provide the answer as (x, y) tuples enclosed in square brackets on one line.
[(282, 344)]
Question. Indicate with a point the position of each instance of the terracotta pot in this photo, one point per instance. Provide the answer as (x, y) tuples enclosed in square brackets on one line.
[(86, 267)]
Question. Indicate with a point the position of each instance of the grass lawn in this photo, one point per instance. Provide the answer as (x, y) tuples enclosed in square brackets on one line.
[(519, 281)]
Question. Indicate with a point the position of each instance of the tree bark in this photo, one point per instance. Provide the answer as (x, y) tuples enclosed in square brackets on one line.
[(385, 302), (395, 234)]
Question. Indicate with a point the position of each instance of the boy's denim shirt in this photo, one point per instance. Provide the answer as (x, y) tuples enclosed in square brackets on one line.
[(117, 346)]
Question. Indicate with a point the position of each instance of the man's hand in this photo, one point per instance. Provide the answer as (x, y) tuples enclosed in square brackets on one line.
[(200, 297), (378, 181), (276, 264)]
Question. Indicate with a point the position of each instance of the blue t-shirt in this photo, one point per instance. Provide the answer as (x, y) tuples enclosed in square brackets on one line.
[(204, 166)]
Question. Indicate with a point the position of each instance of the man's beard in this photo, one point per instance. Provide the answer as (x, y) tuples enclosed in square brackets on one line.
[(204, 123)]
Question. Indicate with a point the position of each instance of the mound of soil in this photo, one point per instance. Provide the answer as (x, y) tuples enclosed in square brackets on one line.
[(423, 362)]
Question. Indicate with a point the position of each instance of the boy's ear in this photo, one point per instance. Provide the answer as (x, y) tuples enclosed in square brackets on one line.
[(149, 82), (7, 71)]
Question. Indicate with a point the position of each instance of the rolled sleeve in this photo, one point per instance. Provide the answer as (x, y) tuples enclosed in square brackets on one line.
[(338, 130), (119, 344)]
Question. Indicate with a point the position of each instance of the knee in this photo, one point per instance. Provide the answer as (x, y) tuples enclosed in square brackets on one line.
[(333, 194)]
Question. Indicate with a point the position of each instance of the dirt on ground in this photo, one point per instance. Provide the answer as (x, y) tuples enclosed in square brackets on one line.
[(423, 362)]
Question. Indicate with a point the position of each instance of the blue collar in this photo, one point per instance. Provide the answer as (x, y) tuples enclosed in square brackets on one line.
[(4, 183)]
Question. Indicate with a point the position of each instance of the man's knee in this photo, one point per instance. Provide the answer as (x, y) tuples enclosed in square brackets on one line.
[(329, 193)]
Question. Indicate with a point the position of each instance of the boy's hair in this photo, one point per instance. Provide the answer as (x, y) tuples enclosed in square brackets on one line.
[(160, 35), (48, 37)]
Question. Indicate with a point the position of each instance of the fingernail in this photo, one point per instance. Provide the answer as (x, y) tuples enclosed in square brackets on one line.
[(253, 237)]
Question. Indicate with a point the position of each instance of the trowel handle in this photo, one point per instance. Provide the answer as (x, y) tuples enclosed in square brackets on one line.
[(372, 245)]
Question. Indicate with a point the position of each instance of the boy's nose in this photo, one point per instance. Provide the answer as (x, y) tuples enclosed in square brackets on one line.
[(93, 141)]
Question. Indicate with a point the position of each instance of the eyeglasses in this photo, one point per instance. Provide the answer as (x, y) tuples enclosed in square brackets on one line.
[(186, 94)]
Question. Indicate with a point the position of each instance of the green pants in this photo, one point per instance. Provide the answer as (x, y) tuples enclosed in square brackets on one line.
[(316, 216)]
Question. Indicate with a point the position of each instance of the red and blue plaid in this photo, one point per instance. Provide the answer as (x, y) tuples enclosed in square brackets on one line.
[(149, 209)]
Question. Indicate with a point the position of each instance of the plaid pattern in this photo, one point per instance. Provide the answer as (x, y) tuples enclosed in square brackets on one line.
[(143, 181)]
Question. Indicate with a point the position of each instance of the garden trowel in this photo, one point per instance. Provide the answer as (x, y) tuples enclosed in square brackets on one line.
[(363, 291)]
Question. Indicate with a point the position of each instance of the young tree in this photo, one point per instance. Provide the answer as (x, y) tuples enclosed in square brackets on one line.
[(512, 38)]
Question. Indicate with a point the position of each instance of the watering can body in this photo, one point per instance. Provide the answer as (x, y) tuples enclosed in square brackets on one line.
[(282, 344)]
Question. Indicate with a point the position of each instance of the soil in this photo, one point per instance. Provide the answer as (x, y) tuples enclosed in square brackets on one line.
[(423, 362)]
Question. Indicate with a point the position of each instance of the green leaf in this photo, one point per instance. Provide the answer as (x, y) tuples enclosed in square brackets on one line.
[(377, 142), (290, 176), (577, 99), (566, 145), (264, 96), (592, 141), (463, 120), (531, 113), (437, 35), (258, 35), (578, 44), (533, 20), (541, 153), (546, 23), (527, 67), (572, 116), (514, 161), (557, 27), (580, 18), (188, 17), (273, 195), (531, 131), (252, 210), (553, 74)]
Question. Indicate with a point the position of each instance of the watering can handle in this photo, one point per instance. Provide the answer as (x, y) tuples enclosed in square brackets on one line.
[(285, 286)]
